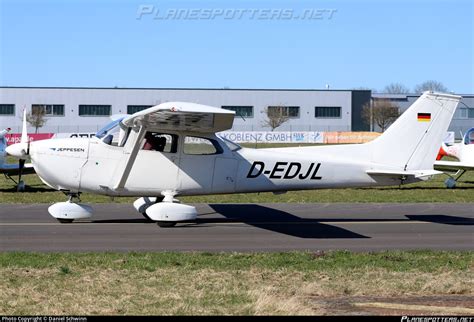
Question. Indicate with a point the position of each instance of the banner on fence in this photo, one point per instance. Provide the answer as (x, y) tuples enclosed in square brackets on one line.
[(300, 137), (73, 135), (273, 137), (349, 137), (251, 137), (16, 137)]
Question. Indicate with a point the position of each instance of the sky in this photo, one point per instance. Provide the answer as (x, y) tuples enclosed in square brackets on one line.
[(237, 44)]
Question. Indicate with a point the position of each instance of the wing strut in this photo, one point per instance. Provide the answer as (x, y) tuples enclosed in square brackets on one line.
[(132, 155)]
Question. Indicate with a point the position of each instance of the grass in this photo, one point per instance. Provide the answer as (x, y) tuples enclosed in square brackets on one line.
[(208, 283)]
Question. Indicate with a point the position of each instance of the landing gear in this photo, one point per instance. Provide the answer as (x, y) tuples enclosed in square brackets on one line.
[(452, 180), (67, 212), (20, 185), (166, 211), (65, 221), (166, 224), (142, 204)]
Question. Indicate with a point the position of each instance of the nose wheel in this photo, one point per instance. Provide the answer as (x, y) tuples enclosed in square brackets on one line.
[(67, 212)]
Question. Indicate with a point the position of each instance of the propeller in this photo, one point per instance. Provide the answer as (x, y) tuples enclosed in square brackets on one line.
[(21, 151)]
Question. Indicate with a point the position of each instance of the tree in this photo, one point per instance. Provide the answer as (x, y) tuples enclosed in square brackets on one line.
[(396, 88), (381, 112), (275, 116), (430, 85), (36, 117)]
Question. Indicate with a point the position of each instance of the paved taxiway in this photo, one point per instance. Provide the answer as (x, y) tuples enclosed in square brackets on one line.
[(246, 227)]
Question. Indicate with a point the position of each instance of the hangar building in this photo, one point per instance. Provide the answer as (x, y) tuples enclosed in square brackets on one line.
[(87, 109)]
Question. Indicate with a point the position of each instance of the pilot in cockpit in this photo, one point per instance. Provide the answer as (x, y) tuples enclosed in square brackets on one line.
[(154, 143)]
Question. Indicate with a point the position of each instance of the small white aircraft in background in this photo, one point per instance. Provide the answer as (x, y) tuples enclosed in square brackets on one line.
[(10, 170), (464, 152), (172, 150)]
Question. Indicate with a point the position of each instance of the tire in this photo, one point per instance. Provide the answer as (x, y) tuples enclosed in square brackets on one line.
[(166, 224), (20, 186), (65, 221), (450, 183)]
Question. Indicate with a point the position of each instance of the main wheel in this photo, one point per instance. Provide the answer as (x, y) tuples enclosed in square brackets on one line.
[(65, 221), (20, 186), (450, 183), (166, 224)]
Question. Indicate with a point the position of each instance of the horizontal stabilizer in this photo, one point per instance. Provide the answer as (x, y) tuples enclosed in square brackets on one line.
[(418, 174), (14, 169), (453, 165)]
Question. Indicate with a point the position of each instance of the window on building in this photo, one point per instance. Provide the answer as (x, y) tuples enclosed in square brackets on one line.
[(290, 111), (241, 111), (95, 110), (7, 109), (470, 113), (461, 113), (49, 109), (200, 146), (327, 111), (132, 109)]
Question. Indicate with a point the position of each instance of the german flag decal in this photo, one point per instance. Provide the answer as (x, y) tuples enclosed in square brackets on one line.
[(424, 117)]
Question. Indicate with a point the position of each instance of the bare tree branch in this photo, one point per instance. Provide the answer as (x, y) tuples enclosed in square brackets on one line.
[(275, 116), (396, 88), (381, 112), (430, 85), (36, 117)]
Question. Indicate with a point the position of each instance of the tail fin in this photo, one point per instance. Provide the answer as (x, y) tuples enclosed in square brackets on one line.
[(412, 142)]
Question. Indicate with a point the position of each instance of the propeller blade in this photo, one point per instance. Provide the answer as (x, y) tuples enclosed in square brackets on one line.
[(20, 168), (24, 133)]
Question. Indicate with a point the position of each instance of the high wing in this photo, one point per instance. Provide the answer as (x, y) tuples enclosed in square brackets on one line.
[(171, 116), (182, 116), (14, 169), (452, 166)]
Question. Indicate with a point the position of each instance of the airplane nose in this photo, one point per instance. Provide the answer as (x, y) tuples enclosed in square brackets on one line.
[(17, 150)]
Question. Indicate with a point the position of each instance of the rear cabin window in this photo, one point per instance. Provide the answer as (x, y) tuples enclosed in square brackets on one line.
[(160, 142), (201, 146)]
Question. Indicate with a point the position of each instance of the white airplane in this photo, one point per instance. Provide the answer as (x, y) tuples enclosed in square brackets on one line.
[(464, 152), (10, 170), (171, 150)]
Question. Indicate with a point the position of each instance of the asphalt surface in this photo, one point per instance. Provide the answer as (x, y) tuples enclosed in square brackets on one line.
[(246, 227)]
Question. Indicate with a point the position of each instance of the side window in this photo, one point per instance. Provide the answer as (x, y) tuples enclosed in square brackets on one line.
[(160, 142), (200, 146)]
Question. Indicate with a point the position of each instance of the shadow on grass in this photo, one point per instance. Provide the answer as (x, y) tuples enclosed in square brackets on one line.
[(441, 188), (39, 188)]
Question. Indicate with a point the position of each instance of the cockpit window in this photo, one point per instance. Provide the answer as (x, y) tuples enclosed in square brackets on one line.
[(113, 133), (201, 146), (231, 145), (161, 142), (469, 137)]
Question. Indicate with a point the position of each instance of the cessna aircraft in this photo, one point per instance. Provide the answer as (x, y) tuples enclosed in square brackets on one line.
[(464, 152), (13, 169), (172, 150)]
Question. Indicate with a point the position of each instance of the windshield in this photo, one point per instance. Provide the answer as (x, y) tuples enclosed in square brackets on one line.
[(113, 133), (469, 137)]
